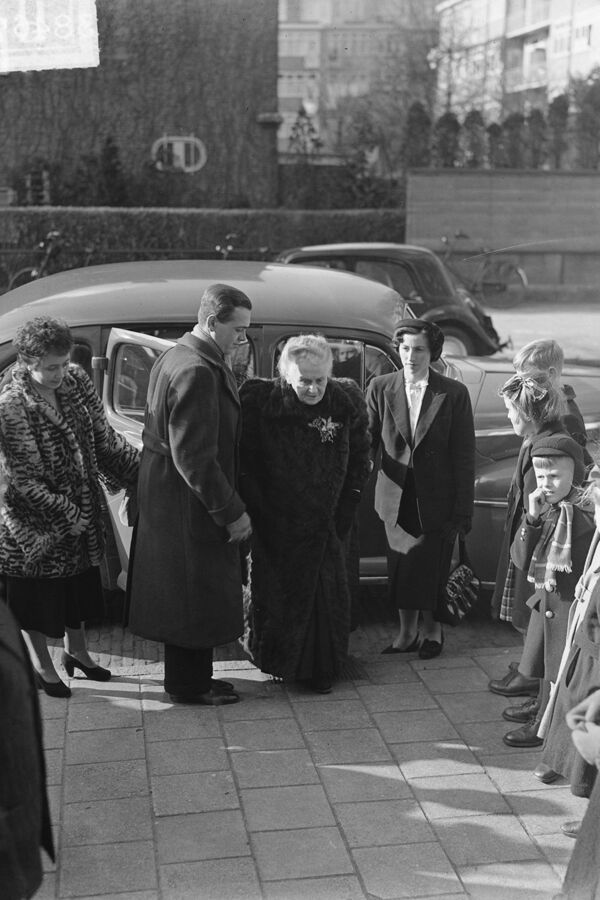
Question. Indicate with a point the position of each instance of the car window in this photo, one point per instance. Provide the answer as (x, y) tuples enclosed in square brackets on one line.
[(391, 274), (132, 365), (325, 263), (434, 284)]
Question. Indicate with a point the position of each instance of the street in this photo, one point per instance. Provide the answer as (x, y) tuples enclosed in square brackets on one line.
[(575, 326)]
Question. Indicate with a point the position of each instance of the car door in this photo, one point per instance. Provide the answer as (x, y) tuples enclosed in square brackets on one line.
[(131, 355)]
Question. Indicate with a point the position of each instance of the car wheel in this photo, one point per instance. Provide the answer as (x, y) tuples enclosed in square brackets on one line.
[(457, 343)]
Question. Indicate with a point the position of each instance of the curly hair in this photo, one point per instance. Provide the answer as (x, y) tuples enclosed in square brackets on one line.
[(305, 346), (433, 334), (535, 396), (43, 336)]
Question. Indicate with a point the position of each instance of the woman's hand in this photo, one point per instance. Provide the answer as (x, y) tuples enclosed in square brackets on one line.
[(538, 503), (80, 527), (239, 530)]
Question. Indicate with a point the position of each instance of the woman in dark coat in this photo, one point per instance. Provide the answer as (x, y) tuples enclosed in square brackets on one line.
[(423, 423), (56, 446), (304, 461)]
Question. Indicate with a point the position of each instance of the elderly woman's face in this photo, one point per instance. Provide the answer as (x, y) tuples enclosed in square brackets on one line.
[(415, 355), (49, 371), (308, 378)]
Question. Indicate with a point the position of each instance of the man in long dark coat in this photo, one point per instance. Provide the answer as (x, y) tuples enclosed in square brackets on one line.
[(185, 584)]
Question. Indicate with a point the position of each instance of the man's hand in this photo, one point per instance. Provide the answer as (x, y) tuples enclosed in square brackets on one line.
[(587, 710), (240, 530)]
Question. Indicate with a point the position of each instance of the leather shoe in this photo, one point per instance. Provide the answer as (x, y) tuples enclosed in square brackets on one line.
[(321, 686), (571, 829), (53, 688), (220, 686), (431, 649), (522, 713), (210, 698), (412, 648), (513, 684), (545, 774), (525, 736)]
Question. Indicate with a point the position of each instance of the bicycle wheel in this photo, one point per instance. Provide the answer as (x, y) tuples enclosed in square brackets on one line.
[(503, 284), (23, 276)]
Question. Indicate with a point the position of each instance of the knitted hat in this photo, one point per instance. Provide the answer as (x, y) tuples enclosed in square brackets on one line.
[(560, 445)]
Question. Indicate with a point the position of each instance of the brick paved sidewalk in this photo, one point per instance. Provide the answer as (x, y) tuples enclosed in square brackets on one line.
[(395, 785)]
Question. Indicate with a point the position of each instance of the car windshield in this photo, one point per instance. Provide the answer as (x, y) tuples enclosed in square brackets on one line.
[(435, 282)]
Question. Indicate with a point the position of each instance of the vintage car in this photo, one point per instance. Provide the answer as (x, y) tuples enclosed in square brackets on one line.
[(415, 272), (125, 314)]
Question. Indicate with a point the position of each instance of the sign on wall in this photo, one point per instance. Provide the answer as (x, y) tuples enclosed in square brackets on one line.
[(48, 34)]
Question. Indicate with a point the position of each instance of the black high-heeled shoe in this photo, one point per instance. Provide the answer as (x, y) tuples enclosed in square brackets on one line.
[(94, 673), (52, 688)]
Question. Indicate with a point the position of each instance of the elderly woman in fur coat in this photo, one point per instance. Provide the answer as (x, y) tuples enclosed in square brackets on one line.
[(304, 461), (55, 447)]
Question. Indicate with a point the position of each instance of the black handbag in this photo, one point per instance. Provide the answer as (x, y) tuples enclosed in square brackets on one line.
[(462, 590)]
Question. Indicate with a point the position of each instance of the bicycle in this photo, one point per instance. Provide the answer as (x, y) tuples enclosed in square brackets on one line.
[(497, 281), (50, 247)]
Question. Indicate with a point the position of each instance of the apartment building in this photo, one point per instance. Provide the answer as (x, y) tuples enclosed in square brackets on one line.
[(512, 55), (330, 50)]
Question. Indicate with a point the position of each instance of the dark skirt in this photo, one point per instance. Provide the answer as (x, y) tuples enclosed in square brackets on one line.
[(50, 605)]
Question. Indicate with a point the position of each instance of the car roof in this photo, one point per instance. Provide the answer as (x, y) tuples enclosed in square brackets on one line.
[(374, 248), (170, 291)]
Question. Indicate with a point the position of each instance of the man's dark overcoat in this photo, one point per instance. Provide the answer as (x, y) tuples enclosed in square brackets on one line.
[(24, 813), (301, 465), (443, 450), (185, 585)]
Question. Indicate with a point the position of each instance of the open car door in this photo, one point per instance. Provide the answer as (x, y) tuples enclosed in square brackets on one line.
[(131, 355)]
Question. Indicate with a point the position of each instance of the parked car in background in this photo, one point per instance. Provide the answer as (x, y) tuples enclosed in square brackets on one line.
[(124, 315), (421, 278)]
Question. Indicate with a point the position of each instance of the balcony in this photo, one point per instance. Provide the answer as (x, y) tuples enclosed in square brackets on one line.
[(533, 15), (519, 80)]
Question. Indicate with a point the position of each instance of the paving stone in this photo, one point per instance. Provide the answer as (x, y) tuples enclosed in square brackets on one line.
[(178, 757), (472, 840), (47, 890), (410, 870), (51, 708), (96, 715), (557, 848), (174, 722), (54, 802), (334, 714), (269, 809), (457, 681), (267, 706), (496, 665), (371, 824), (342, 690), (396, 697), (415, 725), (107, 822), (270, 768), (104, 746), (375, 781), (105, 781), (217, 879), (353, 746), (54, 763), (485, 738), (136, 895), (196, 836), (266, 734), (529, 879), (198, 792), (388, 670), (543, 812), (513, 772), (299, 852), (423, 759), (107, 868), (473, 706), (54, 733), (86, 691), (340, 888), (458, 795), (443, 662)]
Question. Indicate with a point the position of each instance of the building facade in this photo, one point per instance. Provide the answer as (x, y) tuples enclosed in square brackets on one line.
[(503, 56), (334, 50)]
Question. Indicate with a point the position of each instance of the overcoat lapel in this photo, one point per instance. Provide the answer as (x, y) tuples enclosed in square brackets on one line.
[(432, 401), (204, 349), (395, 396)]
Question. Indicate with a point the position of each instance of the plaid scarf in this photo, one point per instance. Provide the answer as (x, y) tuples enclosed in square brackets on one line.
[(508, 593), (553, 550)]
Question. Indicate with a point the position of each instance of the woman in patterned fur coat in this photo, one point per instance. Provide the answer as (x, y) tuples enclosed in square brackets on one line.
[(55, 448), (304, 461)]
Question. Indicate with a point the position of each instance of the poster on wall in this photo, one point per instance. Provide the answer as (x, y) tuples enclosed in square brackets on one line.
[(48, 34)]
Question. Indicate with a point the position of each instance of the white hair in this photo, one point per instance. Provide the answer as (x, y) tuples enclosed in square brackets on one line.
[(305, 346)]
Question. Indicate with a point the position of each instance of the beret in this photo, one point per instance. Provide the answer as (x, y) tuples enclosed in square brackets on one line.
[(560, 445)]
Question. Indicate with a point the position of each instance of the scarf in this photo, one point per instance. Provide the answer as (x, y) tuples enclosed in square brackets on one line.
[(552, 552)]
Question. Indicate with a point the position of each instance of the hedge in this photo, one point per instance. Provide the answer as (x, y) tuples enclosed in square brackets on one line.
[(128, 230)]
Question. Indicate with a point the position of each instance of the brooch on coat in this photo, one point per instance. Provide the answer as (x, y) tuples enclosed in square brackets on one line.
[(326, 428)]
